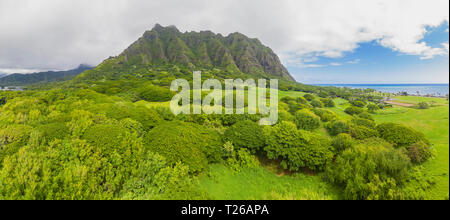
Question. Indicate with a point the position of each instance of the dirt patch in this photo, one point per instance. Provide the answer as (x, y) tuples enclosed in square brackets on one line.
[(274, 166), (281, 174), (400, 104)]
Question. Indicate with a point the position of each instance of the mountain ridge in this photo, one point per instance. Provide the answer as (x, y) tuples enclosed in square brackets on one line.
[(235, 53), (17, 79)]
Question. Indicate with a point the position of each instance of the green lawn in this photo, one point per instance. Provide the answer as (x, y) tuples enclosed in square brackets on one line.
[(416, 100), (261, 184), (294, 94), (434, 123), (341, 105)]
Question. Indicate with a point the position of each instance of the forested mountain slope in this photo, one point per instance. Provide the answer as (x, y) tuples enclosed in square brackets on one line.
[(42, 77), (233, 55)]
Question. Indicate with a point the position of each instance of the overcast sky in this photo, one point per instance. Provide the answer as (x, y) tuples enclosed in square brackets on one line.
[(61, 34)]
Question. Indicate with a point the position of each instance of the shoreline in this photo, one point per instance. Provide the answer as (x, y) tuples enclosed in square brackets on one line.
[(428, 96), (427, 90)]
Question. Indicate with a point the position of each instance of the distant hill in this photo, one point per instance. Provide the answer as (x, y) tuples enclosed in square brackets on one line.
[(2, 75), (42, 77), (235, 54)]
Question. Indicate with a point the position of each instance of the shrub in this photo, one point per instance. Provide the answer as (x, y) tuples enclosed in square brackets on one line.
[(301, 100), (2, 100), (283, 106), (328, 116), (284, 116), (298, 100), (373, 170), (75, 170), (107, 137), (372, 108), (420, 152), (309, 97), (56, 116), (362, 132), (183, 142), (328, 102), (323, 94), (419, 185), (228, 149), (316, 104), (153, 93), (14, 134), (81, 120), (211, 121), (232, 119), (154, 180), (359, 104), (367, 116), (242, 159), (229, 120), (400, 135), (337, 127), (325, 115), (132, 126), (165, 113), (54, 131), (342, 142), (383, 105), (48, 173), (363, 122), (295, 107), (149, 118), (288, 99), (352, 110), (424, 105), (296, 148), (246, 134), (306, 120)]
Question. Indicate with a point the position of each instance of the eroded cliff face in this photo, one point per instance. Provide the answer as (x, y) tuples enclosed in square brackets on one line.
[(167, 45)]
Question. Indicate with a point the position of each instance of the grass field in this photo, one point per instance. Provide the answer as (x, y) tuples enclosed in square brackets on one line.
[(265, 183), (262, 184), (416, 100), (433, 122), (294, 94)]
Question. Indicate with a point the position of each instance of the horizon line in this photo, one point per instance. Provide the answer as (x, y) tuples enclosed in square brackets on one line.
[(377, 83)]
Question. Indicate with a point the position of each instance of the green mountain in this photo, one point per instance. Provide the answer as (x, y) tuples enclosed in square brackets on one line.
[(233, 55), (42, 77)]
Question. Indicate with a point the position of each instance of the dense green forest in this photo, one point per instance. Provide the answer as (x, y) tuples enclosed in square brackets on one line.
[(83, 144), (110, 134)]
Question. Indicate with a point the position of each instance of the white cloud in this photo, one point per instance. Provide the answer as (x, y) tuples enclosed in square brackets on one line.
[(445, 45), (354, 61), (313, 65), (309, 59), (52, 34), (21, 71), (299, 61), (335, 64)]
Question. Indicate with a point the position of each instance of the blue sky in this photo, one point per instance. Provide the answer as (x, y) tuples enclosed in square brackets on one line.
[(320, 41), (374, 64)]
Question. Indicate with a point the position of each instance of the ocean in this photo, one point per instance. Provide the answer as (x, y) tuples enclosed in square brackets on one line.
[(412, 89)]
